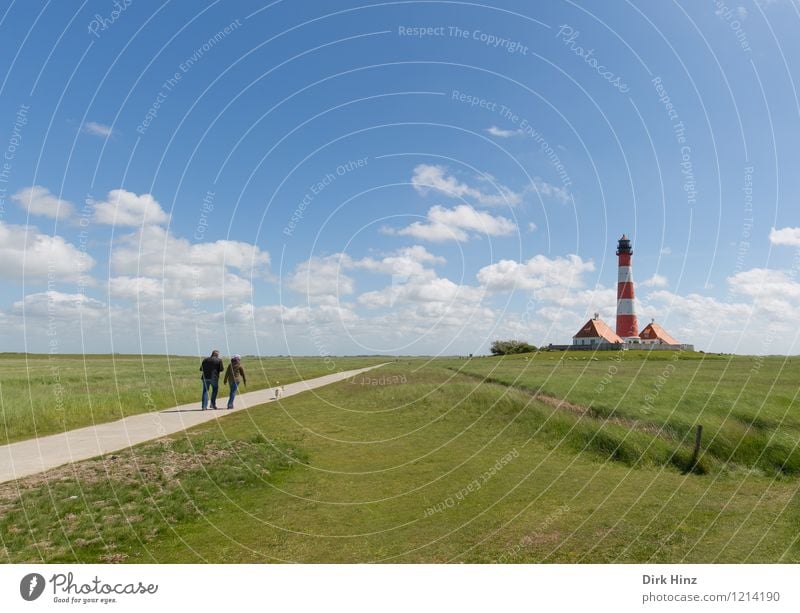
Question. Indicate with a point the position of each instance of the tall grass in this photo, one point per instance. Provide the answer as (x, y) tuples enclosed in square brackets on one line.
[(749, 407)]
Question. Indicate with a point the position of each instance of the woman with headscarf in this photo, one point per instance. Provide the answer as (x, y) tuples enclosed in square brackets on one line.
[(234, 375)]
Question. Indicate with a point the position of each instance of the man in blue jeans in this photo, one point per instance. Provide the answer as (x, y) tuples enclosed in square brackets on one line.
[(211, 369)]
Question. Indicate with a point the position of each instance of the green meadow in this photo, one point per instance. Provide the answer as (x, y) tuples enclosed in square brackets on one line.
[(638, 405), (41, 394), (552, 457)]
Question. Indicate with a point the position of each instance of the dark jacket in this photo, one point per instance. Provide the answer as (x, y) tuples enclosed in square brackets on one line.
[(235, 372), (212, 368)]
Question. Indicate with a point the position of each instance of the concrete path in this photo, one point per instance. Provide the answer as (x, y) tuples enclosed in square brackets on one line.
[(40, 454)]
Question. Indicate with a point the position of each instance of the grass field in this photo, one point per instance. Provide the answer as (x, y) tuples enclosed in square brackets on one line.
[(749, 407), (42, 395), (486, 460)]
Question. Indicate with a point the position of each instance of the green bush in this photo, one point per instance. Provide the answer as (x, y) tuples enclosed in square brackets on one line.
[(511, 347)]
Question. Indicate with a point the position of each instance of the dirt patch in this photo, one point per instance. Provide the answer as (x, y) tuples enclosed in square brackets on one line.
[(564, 405), (151, 463), (584, 411), (541, 538), (578, 409)]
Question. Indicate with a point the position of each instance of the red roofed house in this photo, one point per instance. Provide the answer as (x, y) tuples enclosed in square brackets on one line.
[(655, 334), (596, 332)]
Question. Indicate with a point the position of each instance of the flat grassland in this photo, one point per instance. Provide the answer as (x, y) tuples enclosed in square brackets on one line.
[(557, 457), (41, 395)]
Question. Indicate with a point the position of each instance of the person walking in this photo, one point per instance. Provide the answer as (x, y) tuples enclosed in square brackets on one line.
[(234, 375), (211, 368)]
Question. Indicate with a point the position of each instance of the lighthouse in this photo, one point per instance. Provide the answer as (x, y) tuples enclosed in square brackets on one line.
[(627, 326), (596, 335)]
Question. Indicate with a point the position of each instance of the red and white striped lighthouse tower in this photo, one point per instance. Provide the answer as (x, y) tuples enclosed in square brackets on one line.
[(627, 326)]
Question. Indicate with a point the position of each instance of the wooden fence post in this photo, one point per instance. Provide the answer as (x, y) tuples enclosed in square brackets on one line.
[(698, 435)]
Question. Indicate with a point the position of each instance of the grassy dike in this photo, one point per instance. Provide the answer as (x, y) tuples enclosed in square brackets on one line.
[(749, 407), (433, 465)]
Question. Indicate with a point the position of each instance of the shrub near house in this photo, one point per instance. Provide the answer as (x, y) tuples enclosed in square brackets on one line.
[(511, 347)]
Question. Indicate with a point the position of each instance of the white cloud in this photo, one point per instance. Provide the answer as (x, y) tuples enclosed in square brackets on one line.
[(275, 316), (59, 307), (27, 253), (429, 232), (432, 328), (283, 315), (415, 305), (537, 273), (428, 177), (775, 293), (458, 223), (136, 288), (764, 281), (458, 317), (80, 323), (785, 236), (98, 129), (694, 318), (156, 252), (421, 291), (124, 208), (405, 262), (759, 316), (584, 301), (427, 314), (168, 280), (38, 200), (465, 314), (500, 133), (322, 279), (656, 281), (431, 315), (548, 190), (532, 227), (158, 291), (666, 251), (326, 314), (153, 262)]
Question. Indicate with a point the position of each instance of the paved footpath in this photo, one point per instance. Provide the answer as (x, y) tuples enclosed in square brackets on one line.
[(40, 454)]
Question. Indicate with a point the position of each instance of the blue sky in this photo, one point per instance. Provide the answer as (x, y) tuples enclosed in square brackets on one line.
[(409, 177)]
